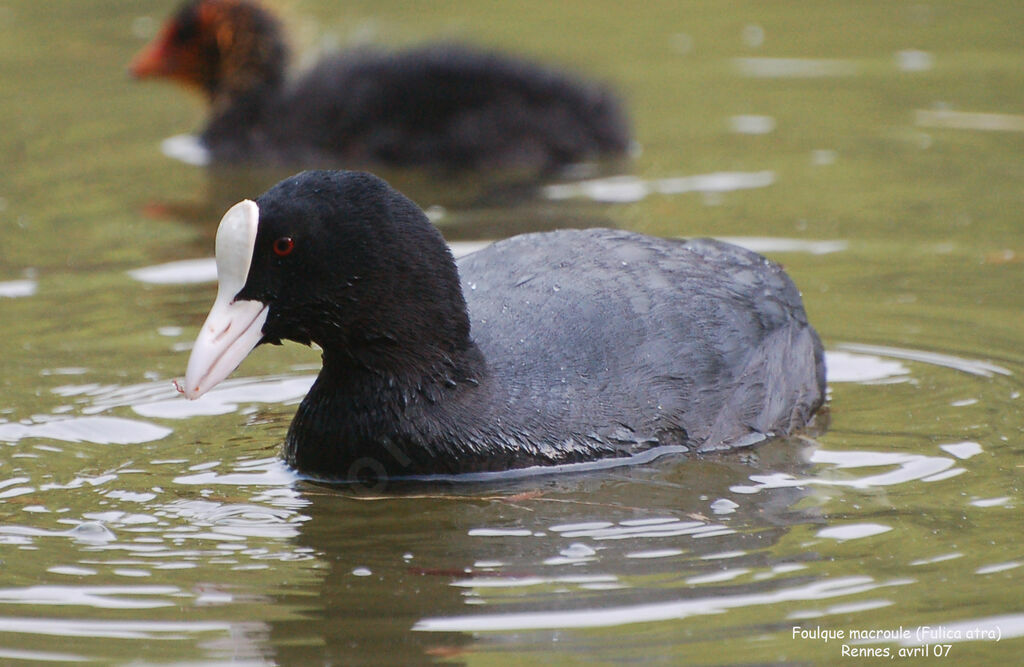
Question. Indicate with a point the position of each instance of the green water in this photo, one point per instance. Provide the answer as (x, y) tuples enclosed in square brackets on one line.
[(137, 528)]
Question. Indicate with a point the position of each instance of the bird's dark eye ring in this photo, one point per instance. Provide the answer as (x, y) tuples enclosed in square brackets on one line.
[(283, 246)]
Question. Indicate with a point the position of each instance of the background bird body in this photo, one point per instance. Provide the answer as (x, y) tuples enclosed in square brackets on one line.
[(446, 106)]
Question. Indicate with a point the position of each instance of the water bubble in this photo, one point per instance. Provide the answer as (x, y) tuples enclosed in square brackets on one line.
[(724, 506), (577, 550), (92, 532)]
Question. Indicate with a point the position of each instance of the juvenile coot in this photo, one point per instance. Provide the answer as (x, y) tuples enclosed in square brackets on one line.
[(556, 347), (444, 106)]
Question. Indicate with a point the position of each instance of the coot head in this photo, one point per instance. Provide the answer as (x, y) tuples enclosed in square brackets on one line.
[(223, 48), (338, 259)]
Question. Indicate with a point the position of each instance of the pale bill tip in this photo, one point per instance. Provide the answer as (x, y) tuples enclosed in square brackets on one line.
[(233, 327)]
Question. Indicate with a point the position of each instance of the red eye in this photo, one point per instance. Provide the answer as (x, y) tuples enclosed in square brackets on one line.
[(283, 246)]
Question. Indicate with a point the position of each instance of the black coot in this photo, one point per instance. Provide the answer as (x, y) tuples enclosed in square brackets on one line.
[(554, 348), (441, 106)]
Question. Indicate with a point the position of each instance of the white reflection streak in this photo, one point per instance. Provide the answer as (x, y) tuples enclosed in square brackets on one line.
[(854, 531), (187, 148), (97, 597), (663, 530), (92, 532), (850, 367), (647, 613), (751, 124), (914, 60), (971, 366), (969, 120), (35, 657), (627, 189), (226, 398), (182, 272), (773, 244), (910, 467), (98, 430), (522, 582), (271, 473), (16, 288), (110, 629), (772, 68)]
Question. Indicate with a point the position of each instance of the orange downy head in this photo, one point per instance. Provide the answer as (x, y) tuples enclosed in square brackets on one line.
[(216, 47), (189, 45)]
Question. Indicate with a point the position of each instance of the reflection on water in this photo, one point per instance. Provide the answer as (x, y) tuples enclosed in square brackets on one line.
[(652, 612), (872, 156), (913, 60), (907, 467), (854, 531), (849, 367), (972, 366), (227, 399), (187, 148), (176, 273), (624, 189), (967, 120), (751, 124), (15, 288), (795, 67), (101, 430), (613, 547)]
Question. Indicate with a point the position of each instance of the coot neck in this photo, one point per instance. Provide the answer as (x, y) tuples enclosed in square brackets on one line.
[(368, 425), (383, 416)]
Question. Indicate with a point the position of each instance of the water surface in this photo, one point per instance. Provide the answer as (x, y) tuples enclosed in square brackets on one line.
[(872, 148)]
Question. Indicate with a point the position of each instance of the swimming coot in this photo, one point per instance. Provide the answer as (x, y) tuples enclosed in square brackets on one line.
[(445, 106), (556, 347)]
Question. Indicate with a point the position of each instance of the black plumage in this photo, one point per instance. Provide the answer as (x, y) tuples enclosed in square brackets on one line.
[(552, 348), (446, 106)]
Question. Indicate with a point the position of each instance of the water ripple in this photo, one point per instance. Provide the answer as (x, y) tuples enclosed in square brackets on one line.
[(17, 288), (117, 629), (226, 398), (971, 366), (627, 189), (269, 472), (181, 272), (908, 467), (674, 528), (775, 68), (98, 430), (97, 597), (854, 531), (653, 612)]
